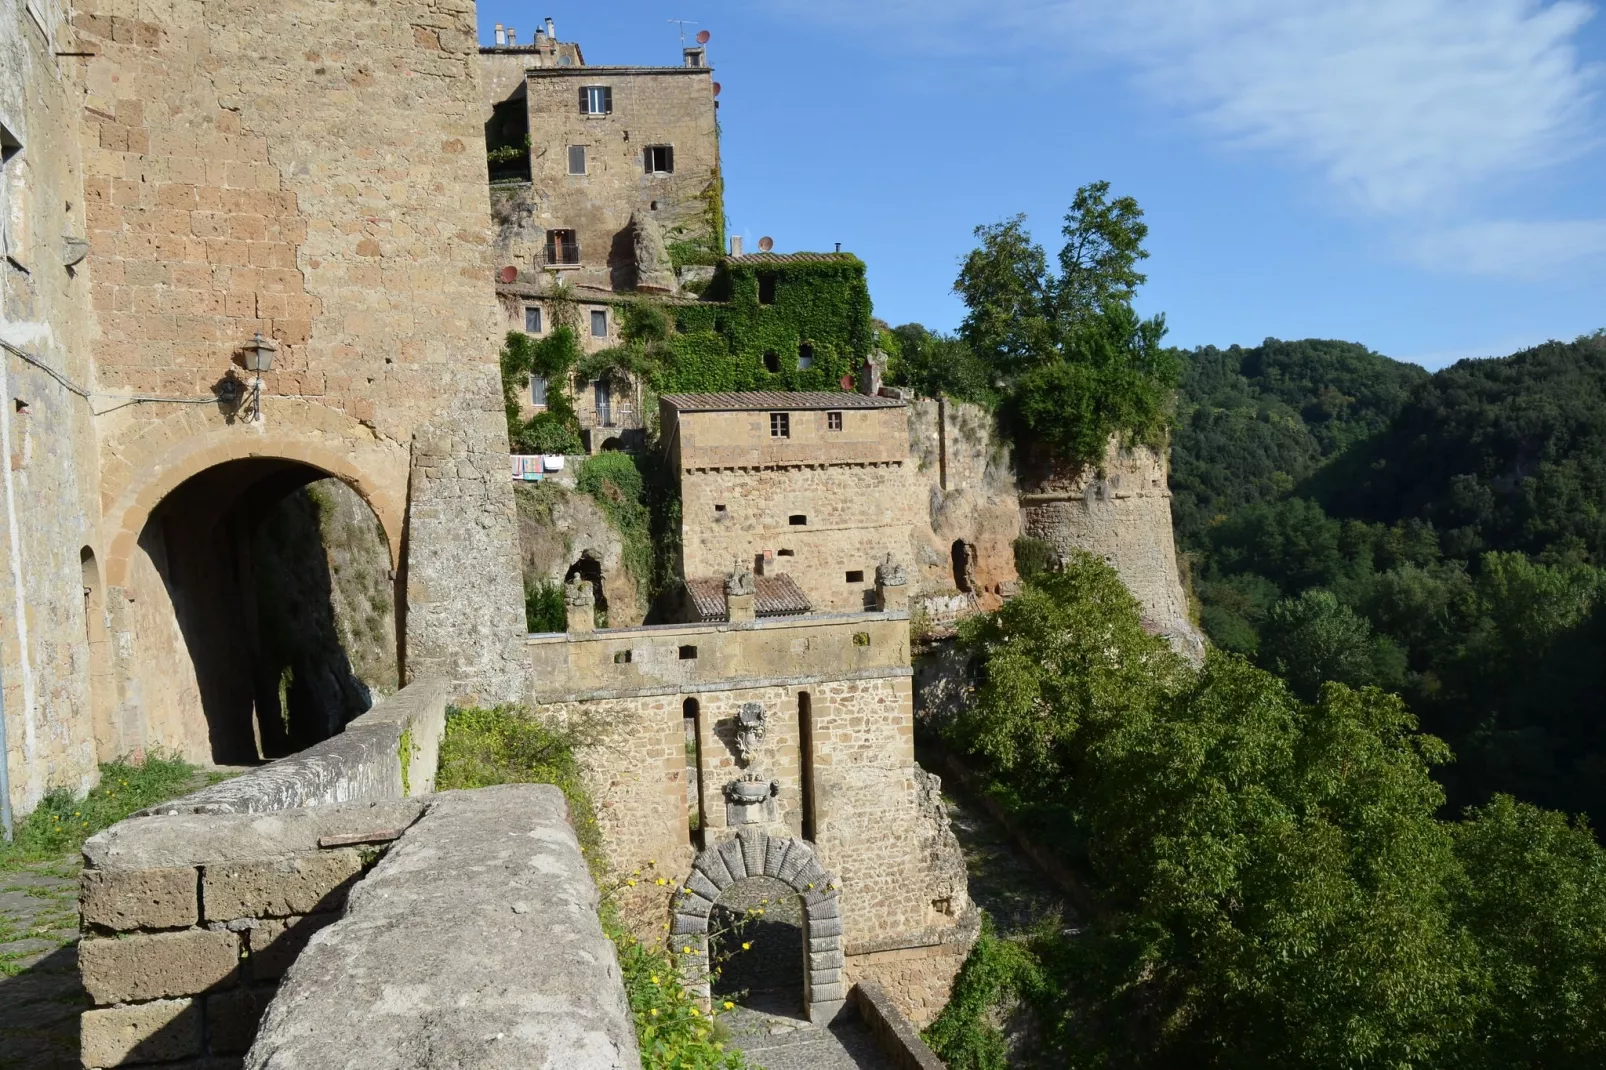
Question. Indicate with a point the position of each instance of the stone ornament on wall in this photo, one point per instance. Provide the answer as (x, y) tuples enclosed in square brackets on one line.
[(752, 853), (891, 573), (751, 724), (749, 800)]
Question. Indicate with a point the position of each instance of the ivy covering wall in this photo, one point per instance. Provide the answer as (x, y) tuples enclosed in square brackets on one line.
[(721, 343)]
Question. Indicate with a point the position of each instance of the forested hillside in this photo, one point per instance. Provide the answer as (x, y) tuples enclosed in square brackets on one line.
[(1352, 518)]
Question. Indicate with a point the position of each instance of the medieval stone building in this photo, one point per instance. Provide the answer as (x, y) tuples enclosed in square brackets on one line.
[(192, 193)]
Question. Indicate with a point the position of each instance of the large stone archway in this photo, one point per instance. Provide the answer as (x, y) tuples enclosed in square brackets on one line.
[(752, 853)]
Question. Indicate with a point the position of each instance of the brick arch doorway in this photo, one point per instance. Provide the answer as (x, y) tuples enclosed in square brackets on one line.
[(787, 863), (263, 609)]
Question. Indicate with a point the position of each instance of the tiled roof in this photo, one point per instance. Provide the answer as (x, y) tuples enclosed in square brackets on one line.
[(773, 596), (794, 258), (778, 399)]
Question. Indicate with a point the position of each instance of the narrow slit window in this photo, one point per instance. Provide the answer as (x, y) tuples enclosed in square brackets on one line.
[(660, 159), (784, 553), (688, 653), (798, 520), (781, 427), (833, 421), (766, 288), (856, 576), (577, 159)]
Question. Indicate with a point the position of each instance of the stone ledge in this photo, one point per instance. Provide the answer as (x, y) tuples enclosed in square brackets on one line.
[(727, 684), (899, 1039), (361, 763), (475, 939)]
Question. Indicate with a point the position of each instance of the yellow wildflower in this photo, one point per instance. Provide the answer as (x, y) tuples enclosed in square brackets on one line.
[(747, 945), (729, 1005)]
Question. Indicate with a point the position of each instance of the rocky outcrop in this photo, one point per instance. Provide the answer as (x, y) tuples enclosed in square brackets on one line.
[(563, 535)]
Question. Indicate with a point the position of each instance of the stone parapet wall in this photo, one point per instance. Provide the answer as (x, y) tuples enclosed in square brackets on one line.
[(694, 658), (190, 920), (899, 1039), (474, 944), (390, 752)]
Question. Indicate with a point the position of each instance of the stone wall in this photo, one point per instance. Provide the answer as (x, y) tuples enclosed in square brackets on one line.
[(54, 653), (1119, 510), (465, 598), (836, 753), (190, 921), (474, 943), (965, 477)]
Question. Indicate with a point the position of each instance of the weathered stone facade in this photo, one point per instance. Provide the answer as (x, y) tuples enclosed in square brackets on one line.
[(1119, 510), (310, 173), (824, 502)]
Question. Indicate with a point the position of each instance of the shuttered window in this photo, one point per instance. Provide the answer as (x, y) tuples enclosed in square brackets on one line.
[(660, 159), (577, 159), (596, 100)]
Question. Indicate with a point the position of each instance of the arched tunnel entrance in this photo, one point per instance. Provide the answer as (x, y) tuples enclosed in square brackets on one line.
[(757, 946), (281, 584)]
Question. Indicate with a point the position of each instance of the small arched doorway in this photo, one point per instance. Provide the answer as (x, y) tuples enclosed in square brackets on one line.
[(280, 582), (964, 561), (588, 569), (756, 859), (756, 943)]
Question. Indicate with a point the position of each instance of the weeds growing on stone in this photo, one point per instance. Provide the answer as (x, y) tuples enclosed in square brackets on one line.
[(63, 820)]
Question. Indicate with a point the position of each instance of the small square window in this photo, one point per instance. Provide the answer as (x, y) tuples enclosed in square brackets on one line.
[(766, 288), (621, 657), (719, 508), (562, 247), (577, 159), (599, 323), (532, 319), (856, 576), (596, 100), (798, 520), (688, 653), (660, 159), (781, 426), (538, 390), (833, 421), (805, 357)]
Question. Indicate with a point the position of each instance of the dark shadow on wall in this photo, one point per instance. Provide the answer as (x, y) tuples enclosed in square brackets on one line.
[(767, 975), (270, 630)]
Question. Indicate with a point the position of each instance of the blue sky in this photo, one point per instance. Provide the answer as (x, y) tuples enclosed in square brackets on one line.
[(1427, 177)]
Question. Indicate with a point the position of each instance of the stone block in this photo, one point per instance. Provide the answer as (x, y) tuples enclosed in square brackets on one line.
[(825, 927), (686, 924), (157, 965), (775, 856), (278, 888), (232, 1018), (165, 898), (275, 942), (730, 852), (146, 1033), (828, 992), (694, 906), (698, 882), (824, 943), (826, 908)]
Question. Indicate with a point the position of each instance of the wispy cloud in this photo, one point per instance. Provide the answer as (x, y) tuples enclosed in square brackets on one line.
[(1511, 248), (1411, 108)]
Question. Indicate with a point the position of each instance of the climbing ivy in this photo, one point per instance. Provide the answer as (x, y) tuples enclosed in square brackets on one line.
[(722, 342)]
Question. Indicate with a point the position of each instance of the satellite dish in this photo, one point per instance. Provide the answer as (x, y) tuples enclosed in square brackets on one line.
[(508, 274), (703, 36), (765, 244), (716, 89)]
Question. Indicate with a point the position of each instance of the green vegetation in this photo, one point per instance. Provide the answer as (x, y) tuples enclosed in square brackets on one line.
[(544, 610), (556, 430), (1356, 519), (1058, 350), (63, 820), (506, 745), (1274, 884)]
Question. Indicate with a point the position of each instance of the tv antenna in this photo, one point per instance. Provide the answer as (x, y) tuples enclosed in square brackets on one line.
[(682, 23)]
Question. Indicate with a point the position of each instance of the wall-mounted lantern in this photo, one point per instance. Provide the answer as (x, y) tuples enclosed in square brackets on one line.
[(258, 359)]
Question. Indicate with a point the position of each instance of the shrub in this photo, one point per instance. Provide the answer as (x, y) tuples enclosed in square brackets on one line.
[(63, 821)]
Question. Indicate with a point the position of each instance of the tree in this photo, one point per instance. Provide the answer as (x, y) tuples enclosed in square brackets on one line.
[(1315, 638), (1074, 361), (937, 365)]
